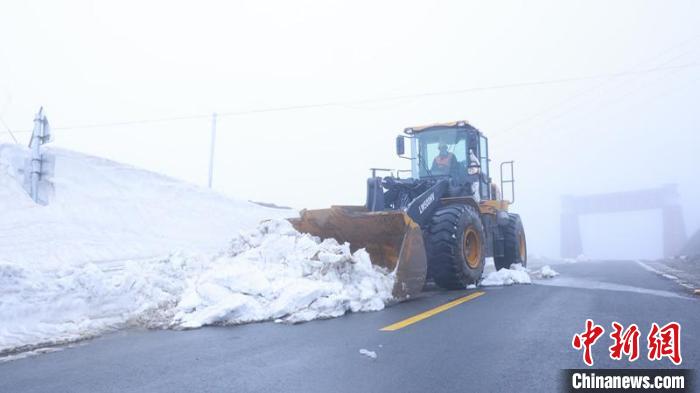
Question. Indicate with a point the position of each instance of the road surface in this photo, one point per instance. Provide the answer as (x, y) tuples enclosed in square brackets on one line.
[(514, 338)]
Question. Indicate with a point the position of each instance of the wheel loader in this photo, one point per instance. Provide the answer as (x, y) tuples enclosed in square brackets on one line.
[(439, 224)]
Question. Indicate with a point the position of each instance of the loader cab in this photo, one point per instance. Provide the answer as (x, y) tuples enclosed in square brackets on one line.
[(467, 149)]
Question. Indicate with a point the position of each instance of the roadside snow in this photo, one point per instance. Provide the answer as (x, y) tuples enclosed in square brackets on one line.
[(57, 306), (517, 274), (548, 272), (368, 353), (277, 273), (118, 246), (270, 273)]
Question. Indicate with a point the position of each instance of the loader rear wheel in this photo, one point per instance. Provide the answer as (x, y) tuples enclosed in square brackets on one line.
[(515, 247), (455, 247)]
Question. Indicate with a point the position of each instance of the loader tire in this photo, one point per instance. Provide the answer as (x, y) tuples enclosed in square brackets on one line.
[(455, 246), (515, 245)]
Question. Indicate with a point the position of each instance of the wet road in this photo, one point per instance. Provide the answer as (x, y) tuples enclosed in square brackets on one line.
[(513, 338)]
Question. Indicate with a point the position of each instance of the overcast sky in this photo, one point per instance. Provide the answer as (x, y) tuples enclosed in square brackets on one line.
[(633, 124)]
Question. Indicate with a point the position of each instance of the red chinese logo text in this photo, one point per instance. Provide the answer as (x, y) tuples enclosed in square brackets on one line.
[(662, 342), (586, 340), (665, 342), (626, 342)]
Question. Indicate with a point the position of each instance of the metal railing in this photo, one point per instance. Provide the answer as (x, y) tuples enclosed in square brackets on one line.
[(511, 180)]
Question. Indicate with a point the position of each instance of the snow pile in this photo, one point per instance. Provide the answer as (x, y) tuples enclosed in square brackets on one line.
[(368, 353), (271, 273), (547, 272), (41, 306), (102, 210), (517, 274), (579, 258), (278, 273)]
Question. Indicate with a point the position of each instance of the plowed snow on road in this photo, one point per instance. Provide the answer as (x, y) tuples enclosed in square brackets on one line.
[(270, 273)]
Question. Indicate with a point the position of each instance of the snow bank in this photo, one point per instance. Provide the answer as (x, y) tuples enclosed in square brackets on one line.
[(271, 273), (517, 274), (102, 210), (278, 273), (548, 272), (41, 307), (69, 270), (368, 353)]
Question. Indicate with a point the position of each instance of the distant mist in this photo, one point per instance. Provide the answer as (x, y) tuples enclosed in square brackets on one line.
[(587, 97)]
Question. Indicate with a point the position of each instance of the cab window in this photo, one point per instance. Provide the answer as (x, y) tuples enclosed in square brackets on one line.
[(484, 155)]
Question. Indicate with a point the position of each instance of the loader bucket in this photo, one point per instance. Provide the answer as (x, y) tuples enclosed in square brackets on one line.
[(391, 238)]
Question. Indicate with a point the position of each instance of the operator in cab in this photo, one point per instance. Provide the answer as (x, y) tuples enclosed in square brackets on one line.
[(443, 162)]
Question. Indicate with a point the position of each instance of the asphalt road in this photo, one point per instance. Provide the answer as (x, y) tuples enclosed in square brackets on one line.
[(513, 338)]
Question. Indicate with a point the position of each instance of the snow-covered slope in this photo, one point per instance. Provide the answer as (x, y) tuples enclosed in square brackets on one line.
[(200, 258), (104, 211)]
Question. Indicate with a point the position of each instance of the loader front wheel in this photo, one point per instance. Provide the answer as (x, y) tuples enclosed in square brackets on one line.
[(455, 247), (515, 246)]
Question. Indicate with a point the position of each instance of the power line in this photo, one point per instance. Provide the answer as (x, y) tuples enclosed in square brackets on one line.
[(133, 122), (540, 132), (599, 86), (7, 128), (376, 100)]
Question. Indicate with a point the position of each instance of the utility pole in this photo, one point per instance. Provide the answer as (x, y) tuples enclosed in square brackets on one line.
[(37, 140), (40, 166), (211, 148)]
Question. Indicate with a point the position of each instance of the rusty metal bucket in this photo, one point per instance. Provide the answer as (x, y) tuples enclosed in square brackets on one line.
[(391, 238)]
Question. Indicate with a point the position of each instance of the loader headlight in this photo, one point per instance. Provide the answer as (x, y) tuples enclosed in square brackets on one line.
[(473, 169)]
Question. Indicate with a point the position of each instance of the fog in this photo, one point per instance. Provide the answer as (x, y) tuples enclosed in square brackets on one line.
[(587, 97)]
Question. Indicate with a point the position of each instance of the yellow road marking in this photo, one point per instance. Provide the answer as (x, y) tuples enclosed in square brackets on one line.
[(430, 313)]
